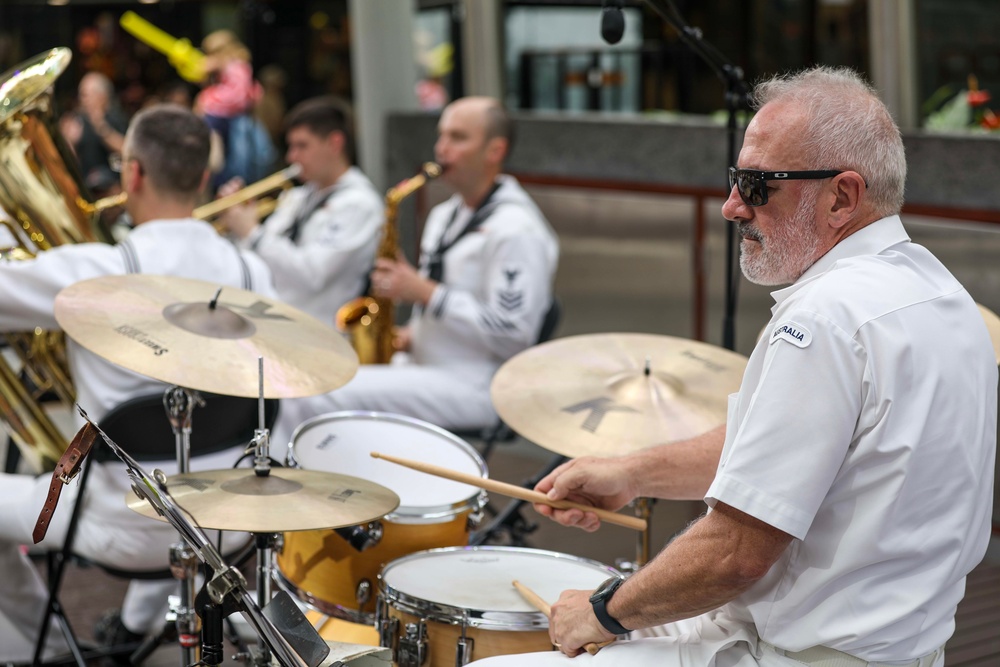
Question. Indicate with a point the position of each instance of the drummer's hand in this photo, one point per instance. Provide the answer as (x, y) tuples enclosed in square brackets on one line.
[(573, 623), (239, 220), (600, 482), (398, 280)]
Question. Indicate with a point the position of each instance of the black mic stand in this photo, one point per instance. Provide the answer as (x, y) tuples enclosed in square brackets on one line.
[(736, 99)]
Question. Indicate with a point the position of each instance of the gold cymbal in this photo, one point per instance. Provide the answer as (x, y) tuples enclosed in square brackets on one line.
[(164, 327), (287, 499), (616, 393), (993, 326)]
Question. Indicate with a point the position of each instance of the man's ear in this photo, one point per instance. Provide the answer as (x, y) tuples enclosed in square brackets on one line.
[(849, 190), (496, 150), (132, 176), (337, 141), (206, 176)]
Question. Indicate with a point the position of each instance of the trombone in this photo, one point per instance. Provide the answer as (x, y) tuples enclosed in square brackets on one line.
[(276, 181)]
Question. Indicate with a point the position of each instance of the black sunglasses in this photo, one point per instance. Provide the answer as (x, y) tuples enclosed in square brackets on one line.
[(752, 183)]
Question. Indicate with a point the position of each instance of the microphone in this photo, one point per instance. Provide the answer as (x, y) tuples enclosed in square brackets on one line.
[(612, 21)]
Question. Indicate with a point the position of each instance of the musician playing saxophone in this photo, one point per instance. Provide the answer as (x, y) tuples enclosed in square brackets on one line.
[(480, 293), (320, 241)]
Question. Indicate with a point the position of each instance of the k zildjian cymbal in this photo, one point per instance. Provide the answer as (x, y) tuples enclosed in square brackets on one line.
[(164, 327), (611, 394), (287, 499)]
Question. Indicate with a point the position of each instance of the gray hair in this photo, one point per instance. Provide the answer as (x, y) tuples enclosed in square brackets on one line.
[(848, 127)]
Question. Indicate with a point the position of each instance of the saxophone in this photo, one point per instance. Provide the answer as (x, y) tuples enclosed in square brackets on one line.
[(48, 205), (368, 320)]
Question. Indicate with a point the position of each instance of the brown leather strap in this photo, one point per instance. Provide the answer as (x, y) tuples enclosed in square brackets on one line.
[(67, 468)]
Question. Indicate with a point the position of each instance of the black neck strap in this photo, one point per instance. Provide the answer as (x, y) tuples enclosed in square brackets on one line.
[(435, 264)]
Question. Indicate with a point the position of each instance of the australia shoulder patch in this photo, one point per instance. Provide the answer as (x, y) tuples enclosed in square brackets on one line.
[(792, 332)]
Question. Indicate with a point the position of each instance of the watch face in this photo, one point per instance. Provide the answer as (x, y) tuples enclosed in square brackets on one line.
[(606, 587)]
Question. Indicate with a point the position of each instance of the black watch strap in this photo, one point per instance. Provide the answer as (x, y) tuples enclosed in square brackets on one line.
[(599, 602)]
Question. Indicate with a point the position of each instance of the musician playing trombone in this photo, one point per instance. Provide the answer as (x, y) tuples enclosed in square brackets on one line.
[(851, 487), (164, 169), (487, 261), (320, 241)]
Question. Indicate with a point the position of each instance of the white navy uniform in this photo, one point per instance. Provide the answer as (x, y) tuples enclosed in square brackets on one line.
[(108, 532), (326, 262), (865, 427), (497, 286)]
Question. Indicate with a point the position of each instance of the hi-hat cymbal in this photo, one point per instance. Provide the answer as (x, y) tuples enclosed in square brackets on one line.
[(164, 327), (611, 394), (287, 499)]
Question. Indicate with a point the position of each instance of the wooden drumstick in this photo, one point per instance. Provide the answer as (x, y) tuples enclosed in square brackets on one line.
[(521, 493), (543, 606)]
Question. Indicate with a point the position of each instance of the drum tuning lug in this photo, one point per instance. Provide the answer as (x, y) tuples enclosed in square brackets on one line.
[(388, 628), (279, 543), (475, 518), (363, 593), (413, 645), (463, 654)]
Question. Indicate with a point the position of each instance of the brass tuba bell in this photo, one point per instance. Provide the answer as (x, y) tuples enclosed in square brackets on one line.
[(43, 193)]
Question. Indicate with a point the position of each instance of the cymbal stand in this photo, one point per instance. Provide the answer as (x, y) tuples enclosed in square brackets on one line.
[(179, 404), (227, 583), (265, 542), (643, 510)]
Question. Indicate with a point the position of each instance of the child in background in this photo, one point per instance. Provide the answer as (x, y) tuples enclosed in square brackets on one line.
[(232, 91), (227, 103)]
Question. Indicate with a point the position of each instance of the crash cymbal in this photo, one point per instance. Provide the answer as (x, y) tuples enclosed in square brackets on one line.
[(287, 499), (165, 328), (611, 394), (993, 326)]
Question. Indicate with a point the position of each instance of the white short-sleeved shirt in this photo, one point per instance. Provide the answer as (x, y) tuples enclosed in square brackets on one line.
[(865, 427), (329, 263)]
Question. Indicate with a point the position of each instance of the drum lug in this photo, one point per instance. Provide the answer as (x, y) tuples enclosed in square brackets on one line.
[(375, 532), (363, 593), (463, 654), (475, 518), (279, 543), (413, 645)]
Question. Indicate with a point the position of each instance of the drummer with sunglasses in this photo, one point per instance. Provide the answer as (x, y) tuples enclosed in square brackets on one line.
[(850, 491)]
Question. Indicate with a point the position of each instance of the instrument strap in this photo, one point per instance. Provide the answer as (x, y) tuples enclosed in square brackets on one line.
[(435, 264), (305, 212), (67, 468)]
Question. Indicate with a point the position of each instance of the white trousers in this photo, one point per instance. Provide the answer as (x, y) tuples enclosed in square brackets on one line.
[(710, 640), (444, 397), (108, 533)]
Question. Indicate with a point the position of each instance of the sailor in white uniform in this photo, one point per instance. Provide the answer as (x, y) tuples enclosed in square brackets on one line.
[(488, 258), (320, 241), (853, 479), (164, 168)]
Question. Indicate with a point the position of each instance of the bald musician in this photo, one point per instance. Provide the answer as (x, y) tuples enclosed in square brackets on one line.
[(852, 485), (320, 241), (484, 283), (164, 168)]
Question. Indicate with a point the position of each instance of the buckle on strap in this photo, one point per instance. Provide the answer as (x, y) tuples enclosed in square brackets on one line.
[(824, 656)]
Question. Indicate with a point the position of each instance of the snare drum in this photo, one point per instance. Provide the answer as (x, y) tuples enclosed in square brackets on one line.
[(447, 607), (319, 566)]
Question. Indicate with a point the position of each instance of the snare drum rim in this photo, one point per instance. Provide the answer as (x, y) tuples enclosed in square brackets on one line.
[(409, 514), (473, 618)]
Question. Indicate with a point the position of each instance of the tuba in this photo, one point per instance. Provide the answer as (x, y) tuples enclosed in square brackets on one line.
[(368, 320), (42, 192)]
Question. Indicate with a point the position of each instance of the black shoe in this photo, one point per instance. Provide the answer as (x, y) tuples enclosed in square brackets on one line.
[(109, 631)]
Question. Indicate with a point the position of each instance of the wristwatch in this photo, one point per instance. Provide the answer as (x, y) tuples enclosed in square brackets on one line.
[(599, 601)]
